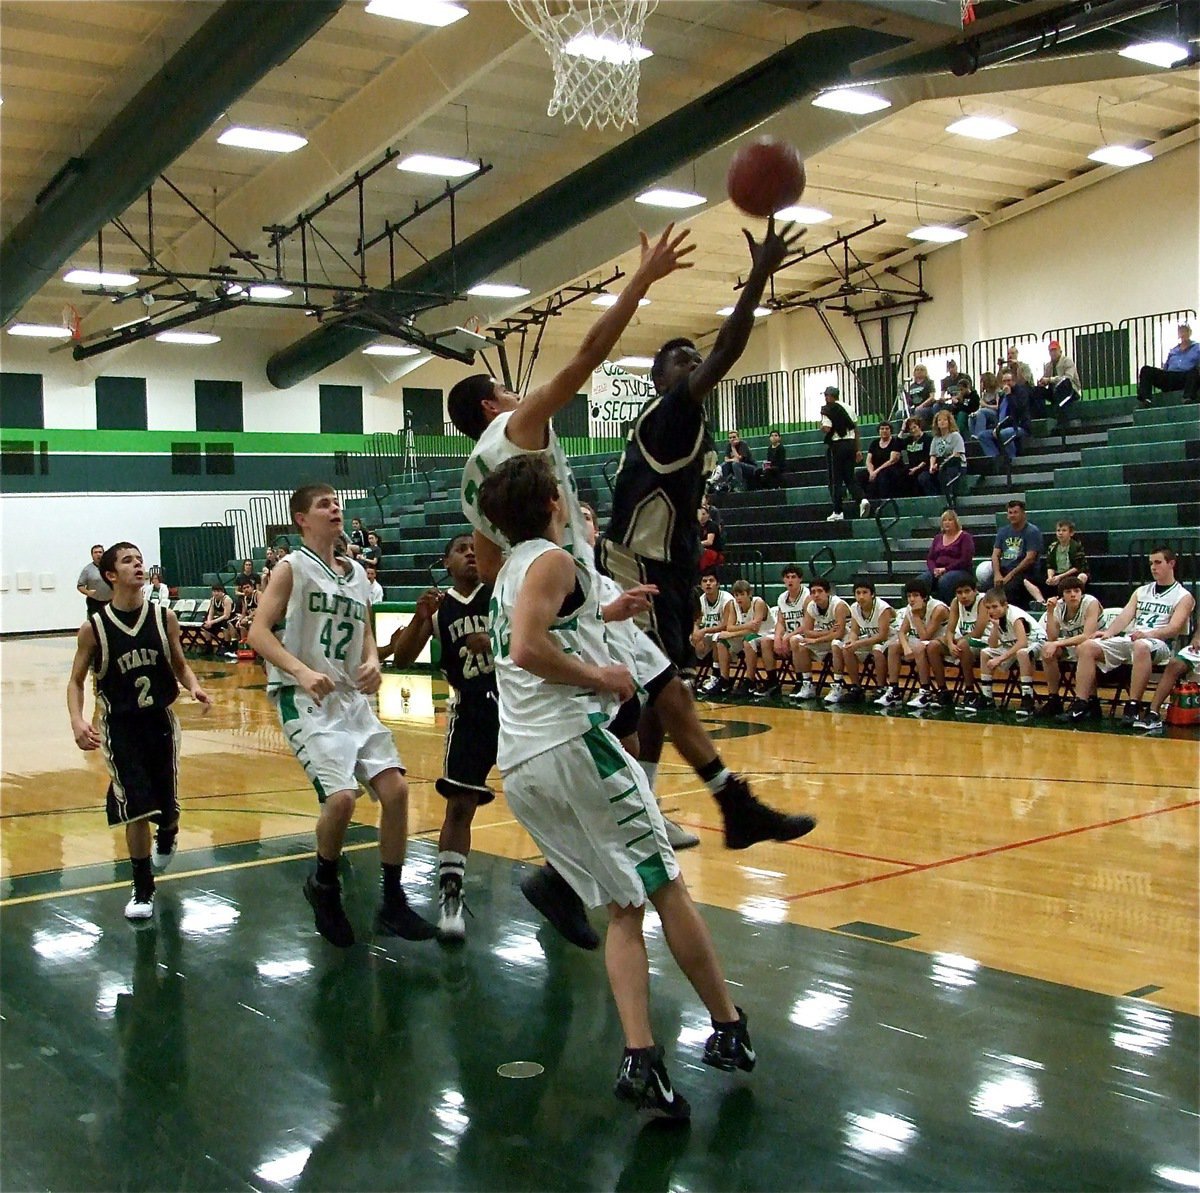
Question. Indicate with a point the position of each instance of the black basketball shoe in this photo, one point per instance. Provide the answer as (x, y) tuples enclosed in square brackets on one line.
[(396, 918), (748, 821), (326, 902), (552, 895), (643, 1082), (729, 1046)]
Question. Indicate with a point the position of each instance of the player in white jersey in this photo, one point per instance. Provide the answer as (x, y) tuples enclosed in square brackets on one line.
[(322, 669), (871, 627), (825, 619), (1072, 617), (788, 620), (965, 637), (1008, 630), (580, 795), (715, 612), (1142, 634), (1185, 664), (751, 630), (922, 624)]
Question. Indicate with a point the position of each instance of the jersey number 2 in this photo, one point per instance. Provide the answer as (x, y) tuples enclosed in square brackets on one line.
[(336, 650), (145, 698)]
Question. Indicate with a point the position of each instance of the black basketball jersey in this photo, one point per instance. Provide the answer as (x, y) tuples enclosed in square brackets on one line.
[(468, 672), (133, 660), (667, 458)]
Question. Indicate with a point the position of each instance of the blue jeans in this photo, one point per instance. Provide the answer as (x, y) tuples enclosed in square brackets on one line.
[(1010, 438), (984, 419)]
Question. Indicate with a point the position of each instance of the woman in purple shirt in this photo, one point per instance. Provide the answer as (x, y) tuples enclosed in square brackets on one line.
[(950, 558)]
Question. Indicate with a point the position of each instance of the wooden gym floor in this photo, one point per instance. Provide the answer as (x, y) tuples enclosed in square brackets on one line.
[(979, 972)]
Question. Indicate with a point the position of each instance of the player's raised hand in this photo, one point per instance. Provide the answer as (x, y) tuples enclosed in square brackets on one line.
[(427, 604), (368, 677), (666, 254), (87, 736), (775, 247), (315, 683)]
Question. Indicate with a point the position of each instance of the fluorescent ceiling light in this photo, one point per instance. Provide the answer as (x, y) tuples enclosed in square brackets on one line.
[(1119, 155), (937, 233), (43, 331), (421, 12), (497, 290), (981, 128), (759, 312), (1156, 53), (270, 292), (261, 138), (442, 167), (92, 277), (609, 300), (853, 100), (391, 350), (663, 197), (606, 49), (187, 337), (802, 214), (635, 362)]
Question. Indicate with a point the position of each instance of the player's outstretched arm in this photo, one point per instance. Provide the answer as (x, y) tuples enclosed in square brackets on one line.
[(527, 427), (179, 664), (84, 732), (408, 641), (735, 331)]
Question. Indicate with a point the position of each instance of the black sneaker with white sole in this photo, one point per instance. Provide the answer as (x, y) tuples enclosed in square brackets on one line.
[(729, 1046), (1131, 713), (643, 1082), (1149, 722), (1083, 710), (1027, 707)]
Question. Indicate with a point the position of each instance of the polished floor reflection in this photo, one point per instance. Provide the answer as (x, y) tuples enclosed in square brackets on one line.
[(980, 972)]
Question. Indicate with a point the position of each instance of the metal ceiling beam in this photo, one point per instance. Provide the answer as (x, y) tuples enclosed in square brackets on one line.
[(814, 62), (232, 50)]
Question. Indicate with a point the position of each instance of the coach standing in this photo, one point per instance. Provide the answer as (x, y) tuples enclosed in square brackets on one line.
[(841, 447), (93, 585)]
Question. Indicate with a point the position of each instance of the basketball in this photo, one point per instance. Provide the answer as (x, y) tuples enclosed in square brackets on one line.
[(765, 176)]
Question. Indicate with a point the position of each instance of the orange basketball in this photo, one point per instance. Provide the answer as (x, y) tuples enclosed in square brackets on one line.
[(765, 176)]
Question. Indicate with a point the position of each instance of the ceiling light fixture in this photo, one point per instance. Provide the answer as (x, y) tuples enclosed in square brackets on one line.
[(269, 291), (981, 128), (437, 13), (497, 290), (441, 167), (391, 350), (262, 138), (937, 234), (606, 49), (609, 300), (660, 196), (853, 100), (1119, 155), (635, 362), (187, 337), (1156, 53), (802, 214), (41, 331), (759, 312), (94, 277)]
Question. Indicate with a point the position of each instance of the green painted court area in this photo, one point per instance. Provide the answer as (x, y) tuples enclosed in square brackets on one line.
[(228, 1047)]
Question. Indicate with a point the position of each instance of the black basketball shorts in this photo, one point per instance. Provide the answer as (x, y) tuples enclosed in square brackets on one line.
[(471, 741), (142, 752), (669, 621)]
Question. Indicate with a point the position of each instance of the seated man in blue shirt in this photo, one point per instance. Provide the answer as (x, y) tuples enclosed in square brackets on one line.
[(1016, 557), (1013, 418), (1181, 370)]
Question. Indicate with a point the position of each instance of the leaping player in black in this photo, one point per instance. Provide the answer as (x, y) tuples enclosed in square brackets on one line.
[(135, 649), (460, 618)]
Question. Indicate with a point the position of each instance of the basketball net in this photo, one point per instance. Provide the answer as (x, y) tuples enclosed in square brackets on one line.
[(595, 48), (72, 321)]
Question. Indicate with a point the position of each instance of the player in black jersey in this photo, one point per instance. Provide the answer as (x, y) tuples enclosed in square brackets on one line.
[(460, 619), (135, 649)]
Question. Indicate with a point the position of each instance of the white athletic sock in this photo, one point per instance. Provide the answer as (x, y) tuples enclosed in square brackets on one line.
[(451, 865), (651, 769), (719, 780)]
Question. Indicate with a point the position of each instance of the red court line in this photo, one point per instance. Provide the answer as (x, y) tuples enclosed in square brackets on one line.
[(966, 857)]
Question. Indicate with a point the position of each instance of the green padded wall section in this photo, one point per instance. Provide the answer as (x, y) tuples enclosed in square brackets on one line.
[(219, 406), (341, 409), (21, 400), (121, 403)]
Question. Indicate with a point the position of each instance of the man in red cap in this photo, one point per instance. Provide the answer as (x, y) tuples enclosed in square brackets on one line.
[(1059, 385)]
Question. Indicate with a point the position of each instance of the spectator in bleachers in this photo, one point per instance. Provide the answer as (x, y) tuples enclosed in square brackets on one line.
[(1180, 371), (871, 628), (94, 588), (914, 455), (358, 537), (155, 589), (1142, 634), (947, 459), (951, 558), (824, 624), (1016, 556), (247, 572), (373, 551), (1059, 385), (712, 541), (1185, 665), (373, 580), (1012, 421), (961, 402), (1007, 637), (918, 636), (268, 564), (953, 381), (1064, 557), (737, 470), (841, 450), (1072, 618), (985, 416), (883, 474), (770, 475), (920, 395), (1015, 365)]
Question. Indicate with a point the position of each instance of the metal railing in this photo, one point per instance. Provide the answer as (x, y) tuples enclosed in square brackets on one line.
[(890, 509), (749, 565), (1151, 337), (934, 359), (814, 569)]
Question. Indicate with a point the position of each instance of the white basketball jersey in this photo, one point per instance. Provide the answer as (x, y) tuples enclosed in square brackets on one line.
[(494, 449), (536, 715), (325, 622), (907, 627), (714, 614), (1155, 609), (790, 612), (1069, 626), (867, 624), (969, 623), (825, 621), (1008, 626)]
